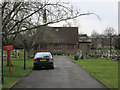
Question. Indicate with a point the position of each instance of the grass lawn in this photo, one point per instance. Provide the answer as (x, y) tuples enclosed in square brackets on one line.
[(17, 71), (104, 70), (9, 81)]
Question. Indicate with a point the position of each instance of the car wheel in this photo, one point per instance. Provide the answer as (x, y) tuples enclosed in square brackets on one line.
[(35, 68)]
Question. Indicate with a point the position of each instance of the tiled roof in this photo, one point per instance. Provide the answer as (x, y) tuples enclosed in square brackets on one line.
[(68, 35)]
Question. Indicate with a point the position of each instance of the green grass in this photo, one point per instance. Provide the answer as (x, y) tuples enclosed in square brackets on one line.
[(9, 81), (104, 70), (17, 71)]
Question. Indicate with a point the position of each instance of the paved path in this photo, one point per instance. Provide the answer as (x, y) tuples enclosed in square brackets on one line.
[(65, 75)]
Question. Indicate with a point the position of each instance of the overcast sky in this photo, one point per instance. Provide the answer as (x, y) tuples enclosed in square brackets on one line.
[(106, 9)]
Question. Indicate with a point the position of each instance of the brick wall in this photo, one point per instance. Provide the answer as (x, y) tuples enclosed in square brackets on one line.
[(60, 48)]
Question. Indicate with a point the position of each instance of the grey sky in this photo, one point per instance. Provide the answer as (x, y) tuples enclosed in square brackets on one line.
[(107, 10)]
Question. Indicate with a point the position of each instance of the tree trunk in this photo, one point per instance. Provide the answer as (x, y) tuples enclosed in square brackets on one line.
[(35, 48), (28, 54)]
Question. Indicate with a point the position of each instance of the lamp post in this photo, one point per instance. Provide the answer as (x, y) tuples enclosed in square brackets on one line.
[(2, 77), (118, 47), (24, 54)]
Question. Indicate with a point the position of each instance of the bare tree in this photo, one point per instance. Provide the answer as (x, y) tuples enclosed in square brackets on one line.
[(22, 16), (95, 37), (44, 35), (33, 39), (110, 31), (95, 41)]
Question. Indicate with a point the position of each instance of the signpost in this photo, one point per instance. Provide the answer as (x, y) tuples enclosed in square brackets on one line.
[(8, 48)]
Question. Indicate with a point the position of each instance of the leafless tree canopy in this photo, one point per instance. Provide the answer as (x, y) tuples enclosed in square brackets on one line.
[(110, 31), (22, 16)]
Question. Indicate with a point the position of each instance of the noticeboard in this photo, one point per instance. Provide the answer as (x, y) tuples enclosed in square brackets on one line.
[(8, 47)]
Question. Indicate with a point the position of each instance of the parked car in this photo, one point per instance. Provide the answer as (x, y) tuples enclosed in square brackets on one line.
[(43, 60)]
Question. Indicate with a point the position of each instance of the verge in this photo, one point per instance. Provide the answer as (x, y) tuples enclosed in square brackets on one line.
[(18, 80)]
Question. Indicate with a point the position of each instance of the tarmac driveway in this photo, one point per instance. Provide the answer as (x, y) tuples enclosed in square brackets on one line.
[(65, 75)]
